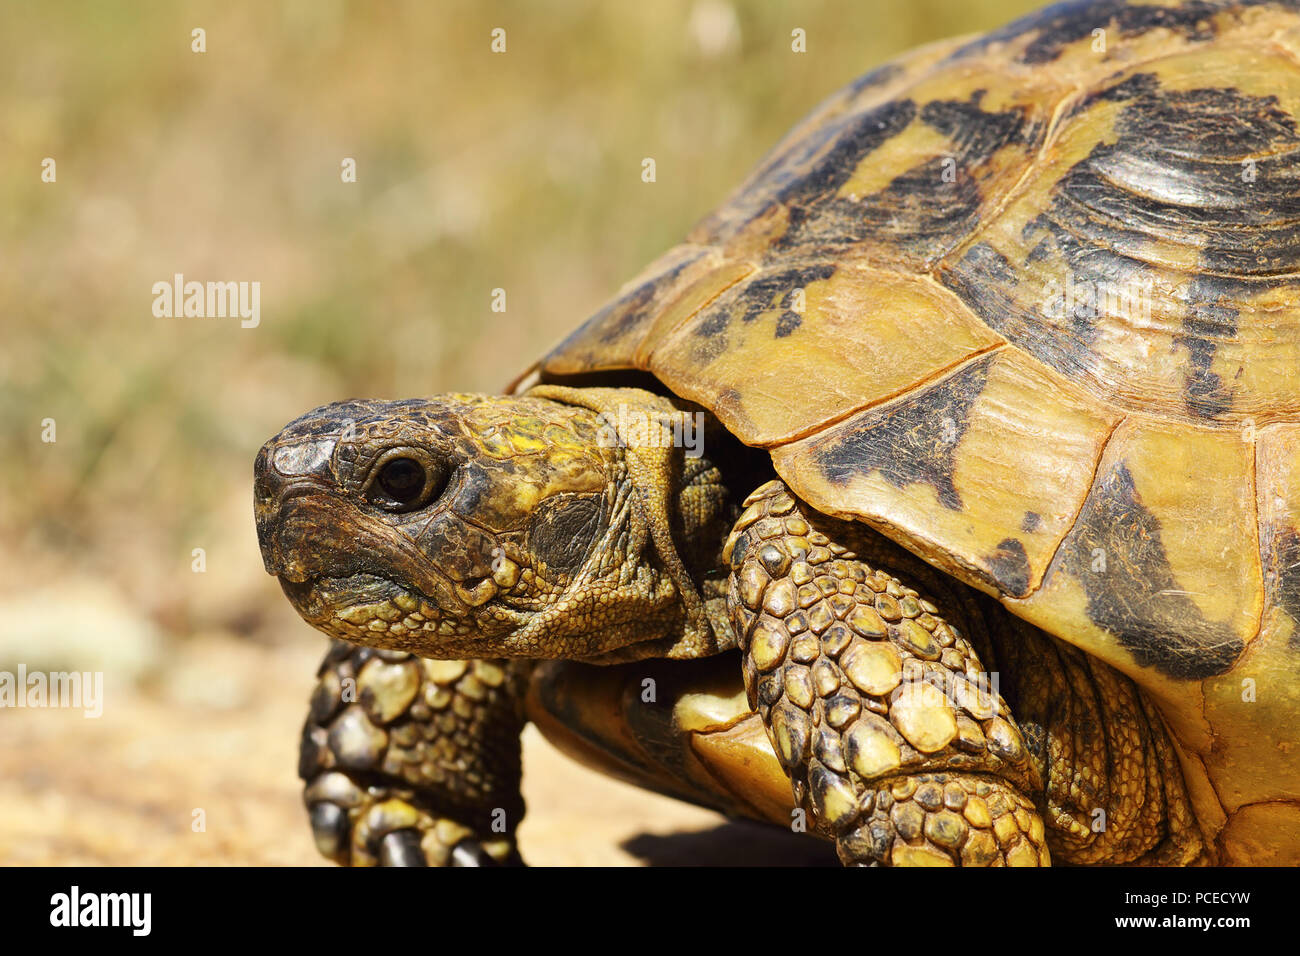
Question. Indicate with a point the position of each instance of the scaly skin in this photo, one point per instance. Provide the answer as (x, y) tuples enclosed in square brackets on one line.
[(411, 762), (868, 698), (534, 536), (1100, 746)]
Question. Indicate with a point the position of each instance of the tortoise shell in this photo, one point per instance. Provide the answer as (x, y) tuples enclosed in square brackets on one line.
[(1029, 304)]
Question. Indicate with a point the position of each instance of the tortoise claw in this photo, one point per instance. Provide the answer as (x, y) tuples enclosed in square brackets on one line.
[(402, 848), (331, 830), (470, 853)]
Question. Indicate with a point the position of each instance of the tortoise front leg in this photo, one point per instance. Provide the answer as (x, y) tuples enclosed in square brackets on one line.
[(877, 707), (413, 762)]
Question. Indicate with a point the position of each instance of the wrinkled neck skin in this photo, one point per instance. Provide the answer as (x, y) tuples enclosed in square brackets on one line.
[(661, 555), (702, 514)]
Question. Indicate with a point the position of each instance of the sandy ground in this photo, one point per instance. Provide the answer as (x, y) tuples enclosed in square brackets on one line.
[(128, 787)]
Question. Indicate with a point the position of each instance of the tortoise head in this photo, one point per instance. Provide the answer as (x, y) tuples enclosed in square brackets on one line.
[(469, 526)]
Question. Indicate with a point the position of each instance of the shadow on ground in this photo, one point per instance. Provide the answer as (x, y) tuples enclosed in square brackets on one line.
[(736, 843)]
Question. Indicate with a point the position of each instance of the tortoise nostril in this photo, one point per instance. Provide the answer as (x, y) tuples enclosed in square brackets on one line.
[(264, 490), (303, 458), (282, 470)]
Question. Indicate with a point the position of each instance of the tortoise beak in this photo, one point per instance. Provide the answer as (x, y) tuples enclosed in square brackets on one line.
[(281, 474), (308, 530)]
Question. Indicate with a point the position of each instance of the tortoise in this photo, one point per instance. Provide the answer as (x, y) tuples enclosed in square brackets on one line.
[(938, 497)]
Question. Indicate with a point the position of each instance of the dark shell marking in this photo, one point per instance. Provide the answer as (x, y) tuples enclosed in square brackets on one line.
[(772, 292), (1132, 592), (1009, 567), (912, 440), (1062, 24), (1282, 575)]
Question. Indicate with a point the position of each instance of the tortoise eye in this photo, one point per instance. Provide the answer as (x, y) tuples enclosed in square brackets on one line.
[(404, 481)]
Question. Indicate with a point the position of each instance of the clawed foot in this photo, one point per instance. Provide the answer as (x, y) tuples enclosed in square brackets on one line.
[(412, 762), (382, 827)]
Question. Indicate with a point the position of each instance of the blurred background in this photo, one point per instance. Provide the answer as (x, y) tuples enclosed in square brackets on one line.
[(475, 171)]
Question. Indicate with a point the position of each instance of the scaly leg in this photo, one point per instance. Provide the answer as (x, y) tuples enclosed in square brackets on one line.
[(413, 762), (878, 707), (1113, 789)]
